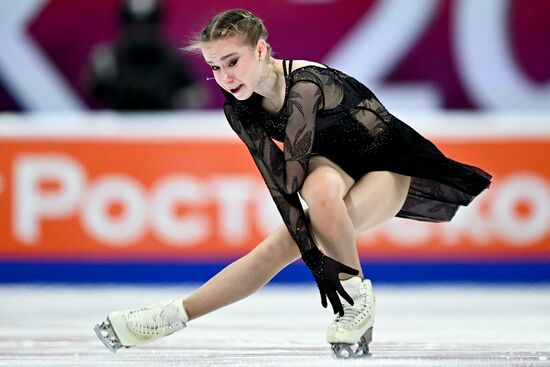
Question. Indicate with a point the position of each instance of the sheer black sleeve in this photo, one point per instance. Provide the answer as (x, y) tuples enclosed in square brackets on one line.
[(304, 100), (284, 171)]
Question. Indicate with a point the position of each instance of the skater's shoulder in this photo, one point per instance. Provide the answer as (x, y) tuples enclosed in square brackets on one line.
[(299, 69), (299, 64)]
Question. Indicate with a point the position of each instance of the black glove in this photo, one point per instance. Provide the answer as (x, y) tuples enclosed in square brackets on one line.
[(325, 271)]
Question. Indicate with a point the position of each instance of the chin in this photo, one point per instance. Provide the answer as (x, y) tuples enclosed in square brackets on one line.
[(242, 97)]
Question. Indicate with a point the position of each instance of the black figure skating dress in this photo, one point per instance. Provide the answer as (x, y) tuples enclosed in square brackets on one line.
[(329, 113)]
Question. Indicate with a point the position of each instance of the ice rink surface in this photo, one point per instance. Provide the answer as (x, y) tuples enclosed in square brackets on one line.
[(429, 325)]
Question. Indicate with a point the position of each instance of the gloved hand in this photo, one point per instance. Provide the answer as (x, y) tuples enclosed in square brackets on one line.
[(325, 271)]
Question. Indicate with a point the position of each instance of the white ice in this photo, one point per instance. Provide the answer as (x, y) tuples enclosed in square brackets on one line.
[(443, 325)]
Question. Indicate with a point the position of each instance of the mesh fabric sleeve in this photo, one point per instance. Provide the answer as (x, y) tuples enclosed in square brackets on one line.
[(284, 171)]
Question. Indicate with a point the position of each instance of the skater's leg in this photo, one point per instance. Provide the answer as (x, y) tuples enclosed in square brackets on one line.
[(143, 325), (340, 208), (372, 200), (244, 276), (324, 190)]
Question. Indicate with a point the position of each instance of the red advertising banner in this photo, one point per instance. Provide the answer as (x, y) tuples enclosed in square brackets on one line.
[(156, 190)]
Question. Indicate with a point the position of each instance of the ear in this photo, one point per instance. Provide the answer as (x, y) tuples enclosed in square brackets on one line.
[(261, 49)]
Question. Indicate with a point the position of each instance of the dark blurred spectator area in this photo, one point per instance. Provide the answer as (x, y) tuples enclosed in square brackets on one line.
[(140, 70), (66, 33)]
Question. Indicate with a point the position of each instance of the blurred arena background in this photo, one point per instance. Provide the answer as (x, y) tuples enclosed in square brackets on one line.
[(102, 184)]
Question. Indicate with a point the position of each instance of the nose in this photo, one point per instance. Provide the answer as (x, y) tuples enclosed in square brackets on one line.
[(227, 77)]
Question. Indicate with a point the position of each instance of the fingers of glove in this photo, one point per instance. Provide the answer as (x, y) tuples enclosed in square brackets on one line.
[(335, 302), (334, 281), (346, 269), (344, 294), (323, 297), (334, 266)]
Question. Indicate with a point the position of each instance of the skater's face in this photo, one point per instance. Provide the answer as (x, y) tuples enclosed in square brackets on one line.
[(236, 65)]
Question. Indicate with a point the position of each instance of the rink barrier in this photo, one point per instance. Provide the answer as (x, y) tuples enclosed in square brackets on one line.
[(182, 189), (181, 273)]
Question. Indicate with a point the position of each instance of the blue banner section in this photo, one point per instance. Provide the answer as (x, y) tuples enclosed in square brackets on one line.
[(151, 273)]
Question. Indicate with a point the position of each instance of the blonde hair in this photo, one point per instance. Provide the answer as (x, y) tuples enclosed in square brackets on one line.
[(227, 23)]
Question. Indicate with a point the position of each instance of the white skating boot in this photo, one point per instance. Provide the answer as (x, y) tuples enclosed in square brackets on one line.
[(350, 335), (142, 325)]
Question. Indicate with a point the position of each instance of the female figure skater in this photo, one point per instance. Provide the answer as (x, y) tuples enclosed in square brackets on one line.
[(354, 164)]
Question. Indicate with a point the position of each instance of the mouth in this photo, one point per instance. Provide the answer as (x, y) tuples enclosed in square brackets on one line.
[(236, 89)]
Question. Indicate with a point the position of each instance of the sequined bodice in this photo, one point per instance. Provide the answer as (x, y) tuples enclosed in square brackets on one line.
[(354, 116), (275, 124)]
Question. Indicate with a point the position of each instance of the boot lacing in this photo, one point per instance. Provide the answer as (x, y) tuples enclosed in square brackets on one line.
[(353, 315), (150, 321)]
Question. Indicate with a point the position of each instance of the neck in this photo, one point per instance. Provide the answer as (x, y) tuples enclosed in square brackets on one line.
[(271, 83)]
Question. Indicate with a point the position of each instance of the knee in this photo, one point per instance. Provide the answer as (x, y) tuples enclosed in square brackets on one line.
[(278, 248), (322, 188)]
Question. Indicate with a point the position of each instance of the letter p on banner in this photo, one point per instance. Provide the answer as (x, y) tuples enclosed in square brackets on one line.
[(46, 186)]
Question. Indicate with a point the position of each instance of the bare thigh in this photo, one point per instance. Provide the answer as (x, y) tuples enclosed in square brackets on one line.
[(373, 199), (377, 197)]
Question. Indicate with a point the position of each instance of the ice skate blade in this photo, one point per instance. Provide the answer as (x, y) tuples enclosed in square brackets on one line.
[(106, 334), (351, 351)]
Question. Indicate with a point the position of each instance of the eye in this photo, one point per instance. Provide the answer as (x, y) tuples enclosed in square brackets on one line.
[(233, 62), (214, 68)]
